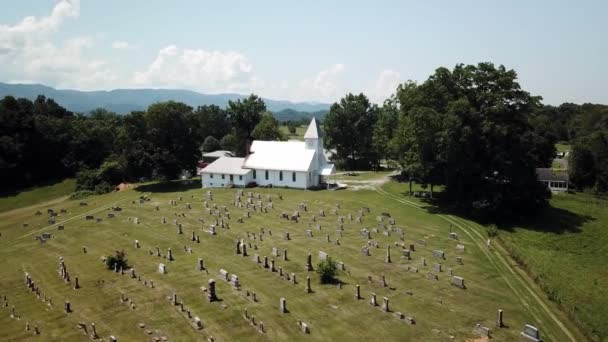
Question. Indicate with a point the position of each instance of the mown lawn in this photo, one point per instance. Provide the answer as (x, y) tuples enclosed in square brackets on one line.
[(442, 312), (27, 197)]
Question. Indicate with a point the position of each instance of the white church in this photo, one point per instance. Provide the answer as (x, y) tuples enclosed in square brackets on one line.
[(293, 164)]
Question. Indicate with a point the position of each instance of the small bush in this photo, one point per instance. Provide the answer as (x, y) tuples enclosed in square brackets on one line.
[(118, 259), (328, 269), (492, 231)]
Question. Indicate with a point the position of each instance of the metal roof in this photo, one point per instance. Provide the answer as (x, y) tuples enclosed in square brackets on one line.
[(548, 174), (279, 155), (227, 165)]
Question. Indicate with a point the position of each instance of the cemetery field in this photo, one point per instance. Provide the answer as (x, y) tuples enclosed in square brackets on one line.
[(438, 310), (566, 251)]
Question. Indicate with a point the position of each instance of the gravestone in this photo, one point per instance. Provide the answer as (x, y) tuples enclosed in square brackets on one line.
[(373, 300), (308, 288), (162, 269), (309, 262), (223, 274), (283, 305), (357, 292), (481, 330), (531, 333), (211, 295), (322, 255), (438, 254), (437, 267), (458, 282), (499, 322), (198, 325), (234, 281), (385, 307)]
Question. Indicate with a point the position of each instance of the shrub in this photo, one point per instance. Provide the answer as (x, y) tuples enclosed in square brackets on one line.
[(118, 260), (492, 231), (328, 269)]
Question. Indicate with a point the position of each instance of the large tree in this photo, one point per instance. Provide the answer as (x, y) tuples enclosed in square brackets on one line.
[(471, 131), (267, 129), (349, 127), (245, 115)]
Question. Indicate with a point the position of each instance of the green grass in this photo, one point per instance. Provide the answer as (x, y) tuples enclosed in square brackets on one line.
[(36, 195), (298, 135), (360, 176), (566, 250), (442, 312), (563, 147)]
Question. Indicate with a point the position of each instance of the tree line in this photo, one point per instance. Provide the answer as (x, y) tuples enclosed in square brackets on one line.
[(585, 127), (471, 130), (41, 141)]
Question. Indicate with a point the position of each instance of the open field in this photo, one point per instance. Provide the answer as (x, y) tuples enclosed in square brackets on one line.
[(441, 311), (298, 135), (36, 195), (566, 251)]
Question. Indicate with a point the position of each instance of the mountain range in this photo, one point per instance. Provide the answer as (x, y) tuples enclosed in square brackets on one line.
[(123, 101)]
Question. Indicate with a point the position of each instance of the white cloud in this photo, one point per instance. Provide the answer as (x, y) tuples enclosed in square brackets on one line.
[(27, 52), (326, 85), (121, 45), (208, 71), (385, 86)]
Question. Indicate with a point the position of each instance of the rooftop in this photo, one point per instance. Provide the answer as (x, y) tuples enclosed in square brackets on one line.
[(227, 165)]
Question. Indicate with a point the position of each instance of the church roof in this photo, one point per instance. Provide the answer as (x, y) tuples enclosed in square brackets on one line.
[(313, 131), (279, 155), (227, 165)]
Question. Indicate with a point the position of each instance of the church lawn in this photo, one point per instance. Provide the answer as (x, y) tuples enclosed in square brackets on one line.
[(441, 311)]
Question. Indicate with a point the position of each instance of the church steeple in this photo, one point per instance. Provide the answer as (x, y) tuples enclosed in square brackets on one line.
[(314, 141), (313, 131)]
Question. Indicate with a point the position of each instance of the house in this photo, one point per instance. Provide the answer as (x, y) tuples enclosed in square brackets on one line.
[(293, 164), (554, 180), (210, 157)]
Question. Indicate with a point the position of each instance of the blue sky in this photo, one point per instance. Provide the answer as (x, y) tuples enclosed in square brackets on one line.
[(303, 50)]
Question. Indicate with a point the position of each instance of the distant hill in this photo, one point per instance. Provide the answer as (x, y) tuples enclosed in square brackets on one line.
[(126, 100)]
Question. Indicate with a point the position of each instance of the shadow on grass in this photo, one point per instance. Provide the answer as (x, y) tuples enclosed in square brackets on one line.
[(549, 219), (16, 190), (170, 186)]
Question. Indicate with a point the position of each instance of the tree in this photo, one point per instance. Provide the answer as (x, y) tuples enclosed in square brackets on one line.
[(169, 131), (211, 121), (210, 144), (328, 269), (229, 143), (469, 129), (349, 129), (267, 129), (244, 116), (384, 129)]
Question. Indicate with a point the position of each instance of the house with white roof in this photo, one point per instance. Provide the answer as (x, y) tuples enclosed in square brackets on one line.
[(293, 164)]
